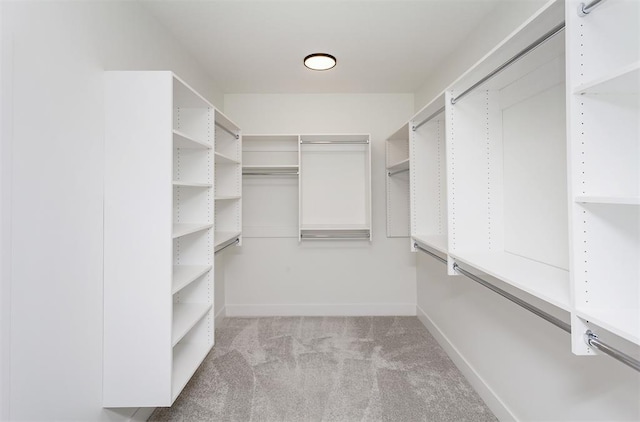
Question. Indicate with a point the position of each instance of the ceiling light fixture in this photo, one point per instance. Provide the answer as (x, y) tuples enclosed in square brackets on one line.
[(320, 61)]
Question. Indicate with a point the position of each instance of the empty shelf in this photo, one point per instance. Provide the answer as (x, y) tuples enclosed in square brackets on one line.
[(224, 159), (437, 242), (183, 229), (192, 184), (548, 283), (226, 198), (187, 357), (181, 140), (625, 80), (185, 317), (223, 237), (620, 200), (399, 166), (183, 275)]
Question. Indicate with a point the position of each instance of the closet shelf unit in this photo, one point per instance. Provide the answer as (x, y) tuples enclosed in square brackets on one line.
[(159, 237), (604, 146), (506, 161), (335, 187), (428, 177), (270, 184), (228, 183), (397, 182)]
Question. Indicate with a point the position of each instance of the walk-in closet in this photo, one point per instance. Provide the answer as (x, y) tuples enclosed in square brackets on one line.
[(229, 210)]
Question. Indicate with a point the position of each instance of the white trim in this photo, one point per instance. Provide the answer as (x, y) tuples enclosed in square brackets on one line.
[(322, 309), (142, 414), (497, 406), (217, 320)]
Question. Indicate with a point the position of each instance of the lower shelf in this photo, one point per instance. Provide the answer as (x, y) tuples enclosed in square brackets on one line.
[(548, 283), (187, 357), (335, 232), (223, 237), (624, 323), (185, 317)]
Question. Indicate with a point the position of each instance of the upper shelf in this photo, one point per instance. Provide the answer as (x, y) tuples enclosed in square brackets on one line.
[(398, 166), (224, 159), (625, 80), (437, 242), (182, 140)]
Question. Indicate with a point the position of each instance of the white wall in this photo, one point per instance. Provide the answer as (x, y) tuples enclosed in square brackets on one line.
[(504, 19), (56, 144), (283, 277), (522, 365)]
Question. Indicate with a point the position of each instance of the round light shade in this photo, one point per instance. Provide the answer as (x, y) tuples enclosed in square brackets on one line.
[(320, 61)]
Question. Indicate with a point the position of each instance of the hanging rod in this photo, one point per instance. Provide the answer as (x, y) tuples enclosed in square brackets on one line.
[(417, 246), (542, 314), (235, 135), (585, 9), (391, 173), (335, 142), (512, 60), (592, 340), (440, 110), (282, 173), (589, 337), (229, 243)]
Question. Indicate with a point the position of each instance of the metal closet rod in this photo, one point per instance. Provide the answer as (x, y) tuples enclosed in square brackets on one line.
[(391, 173), (440, 110), (590, 337), (585, 9), (335, 142), (512, 60), (592, 340), (235, 135), (231, 243), (275, 173)]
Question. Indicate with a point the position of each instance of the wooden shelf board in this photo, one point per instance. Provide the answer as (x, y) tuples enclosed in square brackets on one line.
[(223, 159), (437, 241), (619, 200), (624, 322), (226, 198), (401, 165), (191, 184), (183, 275), (182, 140), (401, 134), (187, 357), (544, 281), (271, 167), (182, 229), (625, 80), (222, 237), (185, 317)]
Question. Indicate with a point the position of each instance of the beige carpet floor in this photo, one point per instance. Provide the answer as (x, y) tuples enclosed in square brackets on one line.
[(341, 369)]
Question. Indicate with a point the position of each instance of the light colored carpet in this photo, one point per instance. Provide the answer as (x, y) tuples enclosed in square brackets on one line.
[(339, 369)]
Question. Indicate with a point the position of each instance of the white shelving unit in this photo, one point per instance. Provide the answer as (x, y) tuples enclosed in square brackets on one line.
[(270, 185), (397, 182), (228, 182), (335, 187), (429, 177), (604, 145), (159, 238), (506, 163)]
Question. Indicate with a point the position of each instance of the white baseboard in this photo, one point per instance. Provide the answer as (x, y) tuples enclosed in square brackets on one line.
[(221, 314), (142, 414), (342, 309), (489, 396)]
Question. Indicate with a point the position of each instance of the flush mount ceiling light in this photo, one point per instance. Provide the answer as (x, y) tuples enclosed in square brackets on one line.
[(320, 61)]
